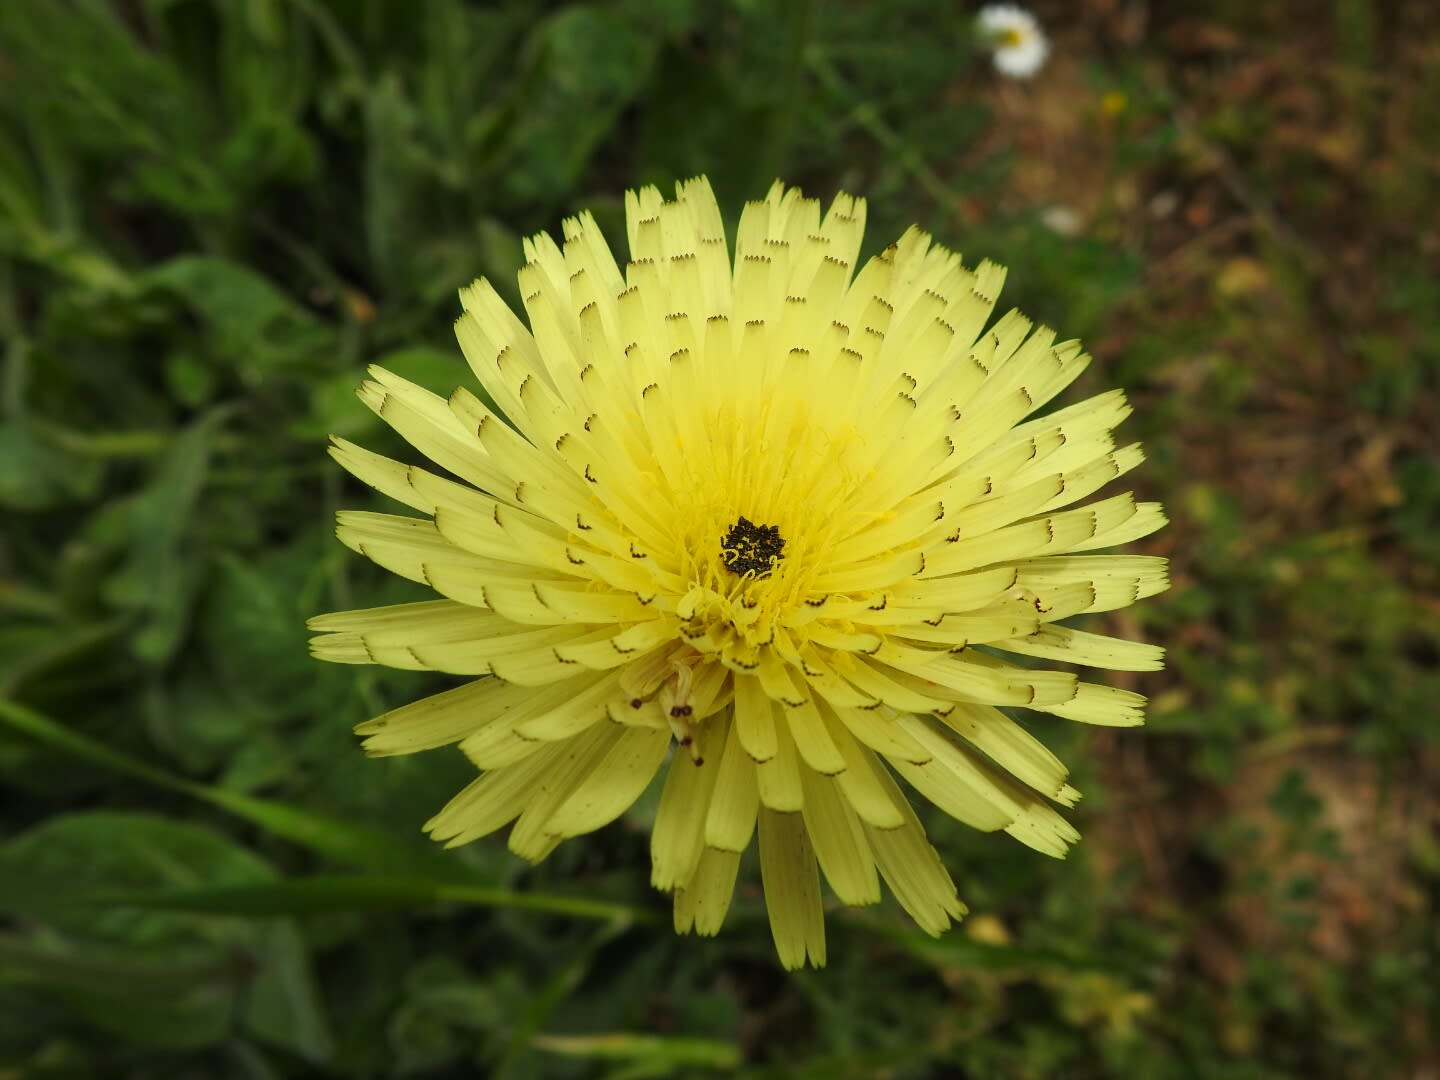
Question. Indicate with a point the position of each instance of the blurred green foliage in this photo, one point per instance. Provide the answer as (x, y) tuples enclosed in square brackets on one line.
[(214, 214)]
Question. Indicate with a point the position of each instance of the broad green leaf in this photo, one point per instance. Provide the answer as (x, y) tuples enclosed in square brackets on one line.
[(257, 678), (120, 967), (252, 324), (184, 1003), (75, 855)]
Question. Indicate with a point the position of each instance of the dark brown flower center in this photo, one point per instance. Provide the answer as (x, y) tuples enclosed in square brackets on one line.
[(749, 548)]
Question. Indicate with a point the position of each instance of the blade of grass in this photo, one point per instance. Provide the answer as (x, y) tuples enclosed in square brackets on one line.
[(346, 842), (329, 894), (669, 1052)]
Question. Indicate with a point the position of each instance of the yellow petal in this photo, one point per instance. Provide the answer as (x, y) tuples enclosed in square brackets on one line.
[(564, 709), (1006, 506), (812, 738), (889, 688), (431, 620), (678, 836), (956, 769), (404, 546), (388, 477), (702, 903), (441, 719), (864, 782), (1081, 647), (974, 676), (754, 718), (792, 890), (877, 729), (1082, 481), (503, 355), (496, 746), (614, 785), (575, 761), (612, 648), (831, 687), (1108, 706), (939, 786), (1066, 530), (778, 779), (499, 653), (493, 800), (1146, 518), (915, 874), (1010, 746), (1115, 580), (424, 421), (838, 837), (730, 822)]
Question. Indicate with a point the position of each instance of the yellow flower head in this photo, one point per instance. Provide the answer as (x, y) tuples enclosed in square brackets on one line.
[(789, 517)]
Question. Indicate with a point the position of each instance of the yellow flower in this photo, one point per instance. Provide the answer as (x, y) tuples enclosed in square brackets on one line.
[(786, 516)]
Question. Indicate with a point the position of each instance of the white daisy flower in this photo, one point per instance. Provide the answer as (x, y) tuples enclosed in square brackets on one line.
[(1018, 43)]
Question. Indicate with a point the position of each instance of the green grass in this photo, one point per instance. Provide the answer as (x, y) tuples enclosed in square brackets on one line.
[(213, 215)]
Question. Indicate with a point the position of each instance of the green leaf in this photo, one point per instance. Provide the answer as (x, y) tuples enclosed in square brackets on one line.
[(72, 855), (586, 61), (160, 577), (550, 993), (344, 841), (255, 631), (185, 1004), (136, 970), (191, 380), (391, 165), (283, 1005), (128, 101), (323, 895), (31, 651), (253, 326), (36, 475)]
